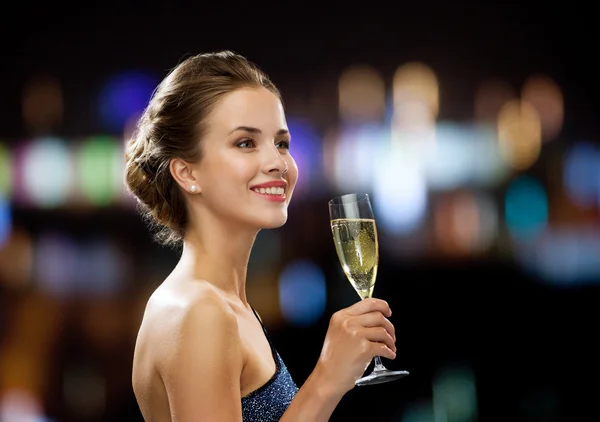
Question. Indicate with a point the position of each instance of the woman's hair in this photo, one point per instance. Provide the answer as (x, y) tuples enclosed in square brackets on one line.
[(172, 126)]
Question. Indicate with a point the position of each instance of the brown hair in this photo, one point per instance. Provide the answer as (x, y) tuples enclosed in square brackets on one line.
[(172, 126)]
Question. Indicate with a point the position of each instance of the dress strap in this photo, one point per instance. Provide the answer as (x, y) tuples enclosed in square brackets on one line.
[(258, 318), (263, 327)]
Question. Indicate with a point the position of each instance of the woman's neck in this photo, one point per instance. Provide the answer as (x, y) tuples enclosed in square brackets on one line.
[(218, 253)]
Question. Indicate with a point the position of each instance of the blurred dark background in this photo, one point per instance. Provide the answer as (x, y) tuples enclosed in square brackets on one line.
[(474, 128)]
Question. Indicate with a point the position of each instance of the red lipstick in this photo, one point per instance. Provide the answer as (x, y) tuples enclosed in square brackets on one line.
[(271, 184)]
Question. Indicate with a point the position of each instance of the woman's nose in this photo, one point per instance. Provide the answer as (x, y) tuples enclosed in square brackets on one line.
[(275, 162)]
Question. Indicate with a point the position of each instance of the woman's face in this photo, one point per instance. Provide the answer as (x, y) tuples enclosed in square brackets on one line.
[(247, 174)]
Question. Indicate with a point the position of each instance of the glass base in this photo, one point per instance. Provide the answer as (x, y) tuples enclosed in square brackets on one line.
[(381, 376)]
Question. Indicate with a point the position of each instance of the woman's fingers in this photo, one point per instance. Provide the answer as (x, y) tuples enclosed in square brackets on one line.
[(370, 305), (379, 335), (376, 319)]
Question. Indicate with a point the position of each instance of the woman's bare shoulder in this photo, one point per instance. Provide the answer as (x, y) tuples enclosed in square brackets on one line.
[(192, 343), (190, 302), (176, 317)]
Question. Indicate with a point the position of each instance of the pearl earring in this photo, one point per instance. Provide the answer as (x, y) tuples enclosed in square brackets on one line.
[(193, 188)]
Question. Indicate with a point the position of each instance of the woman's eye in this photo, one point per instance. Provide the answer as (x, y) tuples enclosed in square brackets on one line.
[(283, 144), (247, 143)]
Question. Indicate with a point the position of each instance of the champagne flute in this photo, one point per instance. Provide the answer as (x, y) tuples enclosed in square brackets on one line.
[(355, 238)]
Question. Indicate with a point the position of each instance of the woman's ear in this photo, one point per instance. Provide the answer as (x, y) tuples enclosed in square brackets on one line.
[(183, 175)]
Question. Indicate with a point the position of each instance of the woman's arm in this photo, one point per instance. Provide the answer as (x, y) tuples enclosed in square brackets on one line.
[(356, 334), (202, 372)]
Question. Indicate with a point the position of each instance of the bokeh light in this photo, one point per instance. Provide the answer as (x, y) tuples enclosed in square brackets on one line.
[(55, 266), (302, 292), (361, 94), (16, 259), (489, 168), (543, 93), (354, 156), (526, 207), (100, 166), (415, 94), (102, 268), (5, 171), (265, 297), (465, 222), (519, 134), (400, 192), (306, 149), (581, 173), (42, 104), (124, 95), (451, 162), (564, 256), (21, 405), (47, 172), (5, 220), (415, 89), (455, 395)]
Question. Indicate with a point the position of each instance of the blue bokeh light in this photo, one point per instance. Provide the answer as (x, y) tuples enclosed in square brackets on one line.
[(302, 292), (124, 96), (526, 207), (565, 256), (5, 221), (306, 148), (581, 174)]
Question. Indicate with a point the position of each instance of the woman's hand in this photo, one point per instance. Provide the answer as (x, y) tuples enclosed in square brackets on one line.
[(356, 334)]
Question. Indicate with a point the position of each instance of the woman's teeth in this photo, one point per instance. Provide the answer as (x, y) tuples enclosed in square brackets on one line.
[(269, 191)]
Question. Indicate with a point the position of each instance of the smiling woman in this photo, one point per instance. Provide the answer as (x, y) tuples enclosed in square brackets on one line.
[(245, 145), (210, 165), (173, 126)]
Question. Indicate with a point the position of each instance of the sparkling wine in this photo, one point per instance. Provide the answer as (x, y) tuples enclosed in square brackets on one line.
[(358, 250)]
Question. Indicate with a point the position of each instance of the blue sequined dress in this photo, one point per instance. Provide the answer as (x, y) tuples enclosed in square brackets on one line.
[(269, 402)]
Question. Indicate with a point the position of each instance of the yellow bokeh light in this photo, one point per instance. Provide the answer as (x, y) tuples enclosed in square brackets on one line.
[(519, 134), (543, 93), (361, 93), (416, 83)]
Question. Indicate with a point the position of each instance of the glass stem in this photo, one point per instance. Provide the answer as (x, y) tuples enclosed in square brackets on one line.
[(378, 365)]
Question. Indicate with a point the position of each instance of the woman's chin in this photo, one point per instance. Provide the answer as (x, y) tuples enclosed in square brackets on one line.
[(274, 222)]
